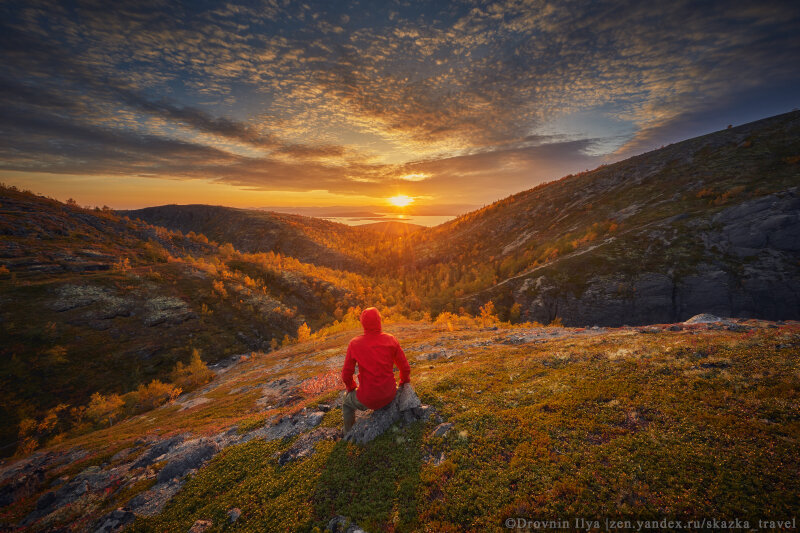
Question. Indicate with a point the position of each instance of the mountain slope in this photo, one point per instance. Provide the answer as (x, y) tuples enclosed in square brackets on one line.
[(311, 240), (392, 228), (682, 422), (94, 302), (708, 224)]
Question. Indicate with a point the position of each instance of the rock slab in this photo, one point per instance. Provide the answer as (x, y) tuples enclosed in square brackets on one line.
[(405, 407)]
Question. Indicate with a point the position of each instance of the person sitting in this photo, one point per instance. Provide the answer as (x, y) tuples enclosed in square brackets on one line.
[(376, 353)]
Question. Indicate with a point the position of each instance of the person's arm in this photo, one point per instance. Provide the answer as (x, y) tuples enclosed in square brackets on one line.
[(402, 364), (348, 370)]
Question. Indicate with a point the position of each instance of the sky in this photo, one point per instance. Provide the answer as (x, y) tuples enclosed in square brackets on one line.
[(276, 103)]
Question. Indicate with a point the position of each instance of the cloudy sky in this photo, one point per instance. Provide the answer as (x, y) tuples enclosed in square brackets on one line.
[(346, 103)]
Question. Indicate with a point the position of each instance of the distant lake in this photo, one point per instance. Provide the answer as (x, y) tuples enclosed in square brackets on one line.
[(393, 217)]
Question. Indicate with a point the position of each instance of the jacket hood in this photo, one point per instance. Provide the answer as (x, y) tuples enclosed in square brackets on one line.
[(371, 320)]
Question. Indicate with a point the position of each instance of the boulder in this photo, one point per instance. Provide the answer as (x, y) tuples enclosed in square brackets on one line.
[(703, 318), (234, 514), (405, 407)]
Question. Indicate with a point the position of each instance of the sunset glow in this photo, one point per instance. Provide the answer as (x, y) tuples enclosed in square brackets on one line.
[(331, 104), (400, 201)]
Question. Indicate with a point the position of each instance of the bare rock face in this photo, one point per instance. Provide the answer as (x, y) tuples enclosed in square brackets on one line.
[(405, 407), (22, 486), (152, 501), (190, 455), (158, 449)]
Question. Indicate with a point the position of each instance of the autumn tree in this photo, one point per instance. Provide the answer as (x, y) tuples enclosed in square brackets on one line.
[(488, 313), (303, 333), (104, 408), (193, 375)]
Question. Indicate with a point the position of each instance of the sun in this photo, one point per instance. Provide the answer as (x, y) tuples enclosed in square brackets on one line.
[(400, 200)]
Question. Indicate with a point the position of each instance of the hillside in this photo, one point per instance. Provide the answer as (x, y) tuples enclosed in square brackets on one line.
[(392, 228), (708, 224), (91, 301), (310, 240), (107, 319), (684, 421)]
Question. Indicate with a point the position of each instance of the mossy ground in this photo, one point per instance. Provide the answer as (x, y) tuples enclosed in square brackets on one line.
[(627, 423)]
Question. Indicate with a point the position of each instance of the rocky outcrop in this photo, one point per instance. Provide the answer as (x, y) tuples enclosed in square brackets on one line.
[(152, 501), (114, 521), (188, 456), (306, 444), (288, 426), (342, 524), (93, 479), (748, 266), (20, 487), (405, 408)]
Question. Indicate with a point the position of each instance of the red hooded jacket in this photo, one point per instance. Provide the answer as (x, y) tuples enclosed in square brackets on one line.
[(376, 354)]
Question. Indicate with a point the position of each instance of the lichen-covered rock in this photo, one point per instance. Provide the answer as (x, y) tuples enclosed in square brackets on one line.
[(21, 487), (342, 524), (114, 521), (703, 318), (305, 445), (166, 309), (287, 427), (157, 450), (442, 429), (152, 501), (234, 514), (188, 456), (405, 407), (93, 479)]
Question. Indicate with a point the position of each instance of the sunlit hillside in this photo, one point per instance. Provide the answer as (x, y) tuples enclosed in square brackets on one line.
[(97, 301), (684, 421), (707, 224), (94, 302)]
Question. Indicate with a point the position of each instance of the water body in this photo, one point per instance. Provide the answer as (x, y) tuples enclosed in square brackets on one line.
[(422, 220)]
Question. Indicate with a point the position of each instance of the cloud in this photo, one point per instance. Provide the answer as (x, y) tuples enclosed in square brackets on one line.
[(434, 98)]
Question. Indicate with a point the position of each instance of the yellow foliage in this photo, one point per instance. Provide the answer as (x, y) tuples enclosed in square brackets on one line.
[(104, 408), (219, 287), (303, 333), (149, 396), (488, 314), (193, 375)]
